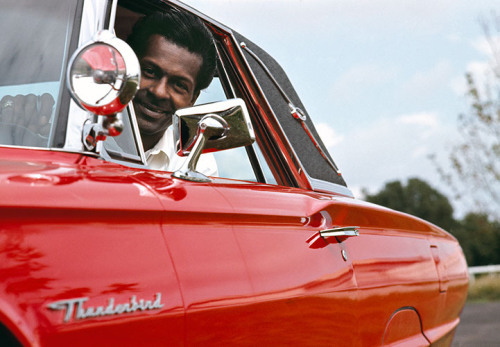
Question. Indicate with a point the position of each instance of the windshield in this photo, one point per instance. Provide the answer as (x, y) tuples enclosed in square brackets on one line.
[(34, 43)]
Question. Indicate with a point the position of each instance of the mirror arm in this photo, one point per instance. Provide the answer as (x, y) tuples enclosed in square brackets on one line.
[(211, 126), (188, 169), (94, 132)]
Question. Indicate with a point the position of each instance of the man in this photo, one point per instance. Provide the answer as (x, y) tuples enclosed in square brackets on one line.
[(178, 59)]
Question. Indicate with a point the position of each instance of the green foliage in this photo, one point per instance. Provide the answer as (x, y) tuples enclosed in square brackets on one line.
[(479, 238), (417, 198), (477, 233), (485, 288)]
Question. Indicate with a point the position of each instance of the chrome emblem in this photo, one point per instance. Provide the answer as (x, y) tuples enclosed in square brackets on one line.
[(75, 308)]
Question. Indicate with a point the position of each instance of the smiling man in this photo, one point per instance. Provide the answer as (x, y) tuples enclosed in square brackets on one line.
[(178, 59)]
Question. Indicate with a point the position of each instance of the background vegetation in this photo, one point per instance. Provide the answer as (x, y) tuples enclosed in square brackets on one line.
[(478, 233), (485, 288)]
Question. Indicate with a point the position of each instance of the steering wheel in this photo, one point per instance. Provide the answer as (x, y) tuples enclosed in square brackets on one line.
[(25, 119)]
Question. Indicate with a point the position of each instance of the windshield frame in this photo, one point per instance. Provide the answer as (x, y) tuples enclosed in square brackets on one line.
[(58, 135)]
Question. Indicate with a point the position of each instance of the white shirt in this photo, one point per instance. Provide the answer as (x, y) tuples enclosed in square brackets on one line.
[(163, 157)]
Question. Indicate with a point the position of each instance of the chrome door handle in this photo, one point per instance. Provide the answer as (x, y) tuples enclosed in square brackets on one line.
[(341, 231), (323, 237)]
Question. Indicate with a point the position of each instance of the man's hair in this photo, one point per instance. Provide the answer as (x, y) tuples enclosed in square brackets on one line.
[(183, 29)]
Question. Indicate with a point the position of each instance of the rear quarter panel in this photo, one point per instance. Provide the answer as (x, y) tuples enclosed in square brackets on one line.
[(396, 268)]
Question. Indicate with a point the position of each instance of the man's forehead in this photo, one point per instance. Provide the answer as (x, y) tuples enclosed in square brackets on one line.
[(156, 43), (170, 56)]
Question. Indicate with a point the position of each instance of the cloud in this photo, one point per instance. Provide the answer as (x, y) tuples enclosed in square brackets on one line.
[(481, 72), (486, 46), (424, 124), (392, 149), (427, 119), (328, 135)]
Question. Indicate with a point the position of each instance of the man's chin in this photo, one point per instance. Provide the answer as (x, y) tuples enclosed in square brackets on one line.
[(148, 130), (151, 126)]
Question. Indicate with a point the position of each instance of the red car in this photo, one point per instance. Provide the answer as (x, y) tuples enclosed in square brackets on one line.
[(96, 249)]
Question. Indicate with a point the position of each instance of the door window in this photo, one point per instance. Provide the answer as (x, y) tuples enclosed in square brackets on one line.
[(34, 41)]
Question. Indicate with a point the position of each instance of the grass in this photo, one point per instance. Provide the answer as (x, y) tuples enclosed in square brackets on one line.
[(484, 288)]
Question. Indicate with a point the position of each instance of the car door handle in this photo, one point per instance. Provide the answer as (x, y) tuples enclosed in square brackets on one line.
[(340, 232), (321, 239)]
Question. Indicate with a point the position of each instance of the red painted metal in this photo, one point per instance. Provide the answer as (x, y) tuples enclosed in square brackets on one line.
[(227, 262), (230, 259)]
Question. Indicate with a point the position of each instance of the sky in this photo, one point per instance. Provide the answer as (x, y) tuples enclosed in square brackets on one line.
[(383, 81)]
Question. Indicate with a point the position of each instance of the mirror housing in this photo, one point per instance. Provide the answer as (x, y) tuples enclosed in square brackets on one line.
[(209, 128), (103, 76)]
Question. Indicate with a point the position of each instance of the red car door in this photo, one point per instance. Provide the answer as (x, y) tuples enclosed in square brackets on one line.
[(246, 269), (215, 286), (304, 290)]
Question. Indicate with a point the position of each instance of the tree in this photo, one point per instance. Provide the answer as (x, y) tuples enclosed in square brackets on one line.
[(418, 198), (474, 162), (478, 235), (479, 238)]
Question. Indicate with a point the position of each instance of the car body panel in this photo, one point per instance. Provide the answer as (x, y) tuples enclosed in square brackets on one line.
[(222, 262), (68, 239)]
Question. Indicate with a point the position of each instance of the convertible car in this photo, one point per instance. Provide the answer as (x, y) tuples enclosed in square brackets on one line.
[(97, 249)]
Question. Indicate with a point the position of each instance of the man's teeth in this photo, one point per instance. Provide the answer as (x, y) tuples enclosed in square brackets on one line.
[(155, 109)]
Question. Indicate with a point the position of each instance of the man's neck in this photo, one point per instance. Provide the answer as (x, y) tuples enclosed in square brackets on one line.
[(149, 141)]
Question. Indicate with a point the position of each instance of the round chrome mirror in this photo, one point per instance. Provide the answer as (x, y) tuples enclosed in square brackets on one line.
[(103, 75)]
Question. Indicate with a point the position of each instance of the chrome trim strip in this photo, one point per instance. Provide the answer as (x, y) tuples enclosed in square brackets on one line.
[(112, 16), (329, 187), (137, 133), (51, 149)]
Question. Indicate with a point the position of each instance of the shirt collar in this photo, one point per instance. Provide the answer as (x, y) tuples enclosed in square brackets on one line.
[(165, 144)]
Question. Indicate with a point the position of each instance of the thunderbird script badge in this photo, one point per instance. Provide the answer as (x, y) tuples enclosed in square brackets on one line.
[(75, 308)]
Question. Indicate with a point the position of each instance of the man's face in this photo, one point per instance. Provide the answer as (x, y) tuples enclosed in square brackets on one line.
[(168, 82)]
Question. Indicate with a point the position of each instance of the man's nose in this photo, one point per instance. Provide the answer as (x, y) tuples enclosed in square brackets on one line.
[(160, 88)]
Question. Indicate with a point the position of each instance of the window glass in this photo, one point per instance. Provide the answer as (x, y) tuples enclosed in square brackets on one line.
[(34, 43), (231, 163), (125, 146), (213, 93), (268, 175), (234, 163)]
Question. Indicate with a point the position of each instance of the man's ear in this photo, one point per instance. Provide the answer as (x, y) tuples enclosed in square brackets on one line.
[(195, 96)]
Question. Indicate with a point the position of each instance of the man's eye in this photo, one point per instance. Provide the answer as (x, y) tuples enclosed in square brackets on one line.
[(181, 86), (148, 72)]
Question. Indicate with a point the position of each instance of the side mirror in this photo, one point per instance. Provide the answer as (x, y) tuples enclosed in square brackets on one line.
[(209, 128), (103, 77)]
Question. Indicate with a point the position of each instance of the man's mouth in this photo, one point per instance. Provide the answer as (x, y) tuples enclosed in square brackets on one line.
[(152, 110)]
